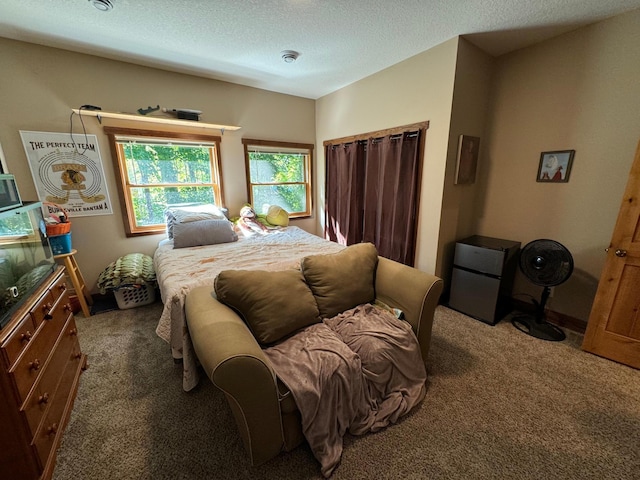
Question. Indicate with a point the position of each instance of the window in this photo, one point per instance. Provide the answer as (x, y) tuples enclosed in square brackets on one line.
[(279, 173), (158, 169)]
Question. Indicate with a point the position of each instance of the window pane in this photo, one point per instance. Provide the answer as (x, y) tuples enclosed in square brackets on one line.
[(158, 164), (290, 197), (276, 167), (149, 203)]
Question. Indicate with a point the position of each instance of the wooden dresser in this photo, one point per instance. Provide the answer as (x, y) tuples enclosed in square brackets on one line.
[(41, 363)]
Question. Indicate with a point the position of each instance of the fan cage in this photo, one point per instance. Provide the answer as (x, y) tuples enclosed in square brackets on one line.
[(546, 263)]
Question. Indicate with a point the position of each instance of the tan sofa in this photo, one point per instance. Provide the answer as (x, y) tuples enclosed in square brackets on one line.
[(265, 412)]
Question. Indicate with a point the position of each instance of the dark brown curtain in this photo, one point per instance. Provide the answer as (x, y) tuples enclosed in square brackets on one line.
[(372, 194), (391, 196), (345, 169)]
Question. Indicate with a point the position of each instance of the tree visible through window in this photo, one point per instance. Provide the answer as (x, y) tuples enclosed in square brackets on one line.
[(156, 172), (279, 173)]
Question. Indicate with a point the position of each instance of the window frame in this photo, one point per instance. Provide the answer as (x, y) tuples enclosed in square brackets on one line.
[(148, 136), (271, 147)]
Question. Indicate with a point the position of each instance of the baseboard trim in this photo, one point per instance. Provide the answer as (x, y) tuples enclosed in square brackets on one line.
[(557, 318)]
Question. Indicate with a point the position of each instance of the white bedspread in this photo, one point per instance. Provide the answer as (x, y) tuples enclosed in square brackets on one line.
[(180, 270)]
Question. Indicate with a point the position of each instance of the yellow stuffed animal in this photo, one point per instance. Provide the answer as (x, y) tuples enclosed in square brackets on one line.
[(277, 216)]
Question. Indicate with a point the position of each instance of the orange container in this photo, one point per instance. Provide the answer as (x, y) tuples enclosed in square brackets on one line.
[(58, 228)]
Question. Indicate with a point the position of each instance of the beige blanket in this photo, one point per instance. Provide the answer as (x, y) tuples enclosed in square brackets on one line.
[(357, 372)]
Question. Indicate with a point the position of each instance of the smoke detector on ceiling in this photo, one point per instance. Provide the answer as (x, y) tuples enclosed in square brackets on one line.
[(103, 5), (289, 56)]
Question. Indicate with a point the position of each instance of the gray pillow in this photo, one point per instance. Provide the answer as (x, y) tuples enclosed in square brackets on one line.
[(192, 213), (203, 232)]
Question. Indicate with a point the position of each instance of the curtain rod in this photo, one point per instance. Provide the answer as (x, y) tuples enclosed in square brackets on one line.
[(378, 139), (380, 133)]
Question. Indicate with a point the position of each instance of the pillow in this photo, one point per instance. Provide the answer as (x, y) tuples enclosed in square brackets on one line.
[(277, 216), (342, 280), (191, 213), (273, 304), (203, 232)]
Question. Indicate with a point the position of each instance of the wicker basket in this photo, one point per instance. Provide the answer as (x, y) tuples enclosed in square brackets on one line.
[(58, 228)]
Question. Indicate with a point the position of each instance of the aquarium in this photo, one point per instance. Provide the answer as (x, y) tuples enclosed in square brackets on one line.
[(26, 259)]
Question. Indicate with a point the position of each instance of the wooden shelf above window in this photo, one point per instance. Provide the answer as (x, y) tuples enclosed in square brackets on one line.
[(153, 119)]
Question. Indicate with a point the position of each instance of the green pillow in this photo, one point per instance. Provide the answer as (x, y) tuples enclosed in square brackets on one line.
[(273, 304), (277, 216), (342, 280)]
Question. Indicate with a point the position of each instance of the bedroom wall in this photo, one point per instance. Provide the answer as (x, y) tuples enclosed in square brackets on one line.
[(40, 85), (578, 91), (472, 87), (417, 89)]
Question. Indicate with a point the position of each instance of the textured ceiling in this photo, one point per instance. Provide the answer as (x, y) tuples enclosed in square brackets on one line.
[(340, 41)]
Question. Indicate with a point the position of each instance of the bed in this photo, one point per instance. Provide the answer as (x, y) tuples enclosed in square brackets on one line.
[(181, 269)]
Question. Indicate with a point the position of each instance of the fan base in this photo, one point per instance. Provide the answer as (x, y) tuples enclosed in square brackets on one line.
[(530, 325)]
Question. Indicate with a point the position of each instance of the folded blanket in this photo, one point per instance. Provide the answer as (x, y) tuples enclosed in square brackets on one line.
[(357, 372), (130, 269)]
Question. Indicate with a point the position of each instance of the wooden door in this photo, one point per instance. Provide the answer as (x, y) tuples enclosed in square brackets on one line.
[(613, 330)]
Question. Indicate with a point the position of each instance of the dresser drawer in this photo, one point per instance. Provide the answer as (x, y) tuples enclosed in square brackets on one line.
[(35, 355), (42, 308), (18, 340), (57, 415), (48, 383), (59, 288)]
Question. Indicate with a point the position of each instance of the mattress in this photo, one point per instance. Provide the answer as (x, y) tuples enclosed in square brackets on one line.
[(180, 270)]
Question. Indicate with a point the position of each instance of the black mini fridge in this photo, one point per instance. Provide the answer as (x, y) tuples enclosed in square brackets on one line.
[(482, 277)]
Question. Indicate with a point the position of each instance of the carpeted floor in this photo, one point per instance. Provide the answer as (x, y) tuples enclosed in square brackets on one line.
[(499, 404)]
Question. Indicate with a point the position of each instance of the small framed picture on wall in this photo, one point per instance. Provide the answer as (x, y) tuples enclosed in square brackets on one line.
[(555, 167), (467, 164)]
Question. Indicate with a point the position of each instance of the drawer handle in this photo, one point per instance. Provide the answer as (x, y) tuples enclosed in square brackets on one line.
[(26, 336), (63, 286), (52, 429), (47, 309), (43, 399), (73, 332), (67, 307), (78, 356), (35, 365)]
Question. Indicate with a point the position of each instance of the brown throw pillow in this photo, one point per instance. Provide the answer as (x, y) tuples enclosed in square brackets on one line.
[(342, 280), (273, 304)]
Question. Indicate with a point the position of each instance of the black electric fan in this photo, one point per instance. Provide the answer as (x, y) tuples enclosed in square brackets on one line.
[(546, 263)]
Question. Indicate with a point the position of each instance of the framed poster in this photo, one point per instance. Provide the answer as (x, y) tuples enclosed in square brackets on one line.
[(67, 170), (467, 162), (555, 167)]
